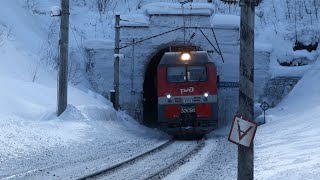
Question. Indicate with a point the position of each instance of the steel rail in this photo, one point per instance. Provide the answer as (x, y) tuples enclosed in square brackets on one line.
[(174, 165), (119, 165)]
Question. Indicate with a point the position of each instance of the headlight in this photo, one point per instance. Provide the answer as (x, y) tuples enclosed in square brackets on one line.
[(169, 96), (205, 94), (185, 57)]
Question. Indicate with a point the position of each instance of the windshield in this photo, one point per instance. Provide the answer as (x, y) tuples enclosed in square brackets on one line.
[(176, 74), (196, 73), (186, 74)]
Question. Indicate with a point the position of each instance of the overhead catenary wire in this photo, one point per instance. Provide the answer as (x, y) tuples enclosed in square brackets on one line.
[(218, 51), (214, 35), (150, 37), (178, 28)]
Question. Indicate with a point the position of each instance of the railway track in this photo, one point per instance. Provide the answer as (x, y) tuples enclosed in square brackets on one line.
[(61, 170), (153, 164)]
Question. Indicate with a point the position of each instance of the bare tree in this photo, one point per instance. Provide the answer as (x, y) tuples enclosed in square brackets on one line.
[(31, 4), (288, 10), (35, 71), (103, 5), (9, 32), (316, 5), (1, 37), (79, 2)]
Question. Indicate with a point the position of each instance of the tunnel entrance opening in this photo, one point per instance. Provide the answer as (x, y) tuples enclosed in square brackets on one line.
[(150, 98)]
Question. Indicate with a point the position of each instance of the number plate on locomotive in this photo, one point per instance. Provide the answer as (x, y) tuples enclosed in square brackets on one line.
[(188, 109), (188, 100)]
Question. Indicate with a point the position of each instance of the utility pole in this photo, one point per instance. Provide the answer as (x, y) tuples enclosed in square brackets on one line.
[(63, 58), (246, 90), (246, 81), (116, 62)]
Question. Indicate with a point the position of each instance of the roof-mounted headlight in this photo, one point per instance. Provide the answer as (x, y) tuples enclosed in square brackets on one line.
[(185, 57)]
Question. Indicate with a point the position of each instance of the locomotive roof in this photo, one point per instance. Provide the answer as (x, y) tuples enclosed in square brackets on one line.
[(197, 57)]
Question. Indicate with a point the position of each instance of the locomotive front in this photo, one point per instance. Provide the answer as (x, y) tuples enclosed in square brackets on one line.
[(187, 93)]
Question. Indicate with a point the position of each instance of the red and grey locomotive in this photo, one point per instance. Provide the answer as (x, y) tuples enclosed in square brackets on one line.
[(187, 93)]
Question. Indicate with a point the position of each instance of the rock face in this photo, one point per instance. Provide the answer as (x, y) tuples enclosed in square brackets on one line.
[(146, 36)]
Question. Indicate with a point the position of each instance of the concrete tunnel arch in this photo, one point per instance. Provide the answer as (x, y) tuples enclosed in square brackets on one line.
[(150, 99)]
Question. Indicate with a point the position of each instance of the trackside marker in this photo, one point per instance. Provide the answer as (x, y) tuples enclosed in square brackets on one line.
[(242, 131)]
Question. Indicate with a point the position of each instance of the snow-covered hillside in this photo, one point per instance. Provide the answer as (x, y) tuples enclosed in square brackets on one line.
[(29, 126), (32, 137), (288, 145)]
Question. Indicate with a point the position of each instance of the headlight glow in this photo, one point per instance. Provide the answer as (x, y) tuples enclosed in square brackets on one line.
[(185, 57), (169, 96), (205, 94)]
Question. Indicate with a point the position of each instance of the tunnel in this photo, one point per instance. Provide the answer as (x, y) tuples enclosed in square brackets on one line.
[(150, 98)]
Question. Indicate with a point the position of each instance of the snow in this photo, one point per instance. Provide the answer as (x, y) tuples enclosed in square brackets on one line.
[(98, 44), (285, 71), (137, 20), (224, 20), (185, 170), (288, 145), (203, 9), (91, 132), (32, 136), (263, 47), (55, 11)]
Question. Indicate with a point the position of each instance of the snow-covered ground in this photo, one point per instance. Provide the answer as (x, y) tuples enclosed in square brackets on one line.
[(288, 145), (90, 131), (32, 136)]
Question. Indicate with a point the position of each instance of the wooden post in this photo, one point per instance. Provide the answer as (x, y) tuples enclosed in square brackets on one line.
[(116, 62), (63, 58), (246, 90)]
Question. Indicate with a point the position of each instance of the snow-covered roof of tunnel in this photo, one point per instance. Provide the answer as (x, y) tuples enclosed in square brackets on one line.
[(163, 8), (225, 21), (139, 20)]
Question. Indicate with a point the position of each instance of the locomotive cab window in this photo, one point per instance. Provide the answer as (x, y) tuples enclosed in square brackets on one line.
[(196, 73), (186, 73), (176, 74)]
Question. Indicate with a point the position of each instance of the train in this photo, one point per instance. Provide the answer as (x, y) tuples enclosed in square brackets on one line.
[(187, 93)]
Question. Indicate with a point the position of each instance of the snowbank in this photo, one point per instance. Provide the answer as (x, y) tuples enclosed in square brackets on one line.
[(288, 146)]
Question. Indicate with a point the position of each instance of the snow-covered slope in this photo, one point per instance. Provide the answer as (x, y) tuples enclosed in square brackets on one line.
[(288, 145), (32, 136)]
